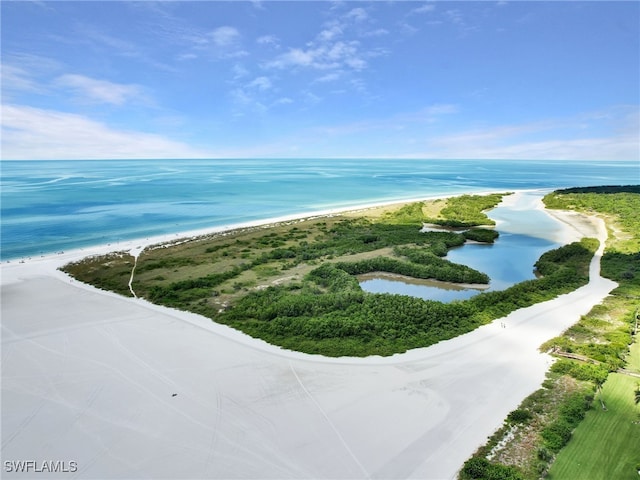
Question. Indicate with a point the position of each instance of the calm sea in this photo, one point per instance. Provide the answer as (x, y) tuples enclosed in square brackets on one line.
[(49, 206)]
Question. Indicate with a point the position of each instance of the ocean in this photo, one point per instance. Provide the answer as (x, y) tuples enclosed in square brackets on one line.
[(52, 206)]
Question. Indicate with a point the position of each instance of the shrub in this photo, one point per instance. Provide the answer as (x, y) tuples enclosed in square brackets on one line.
[(479, 468), (556, 435), (581, 371), (519, 416), (544, 454), (481, 235)]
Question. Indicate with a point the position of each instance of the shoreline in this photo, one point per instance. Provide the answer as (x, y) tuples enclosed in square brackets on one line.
[(50, 264), (92, 372), (422, 281), (135, 246)]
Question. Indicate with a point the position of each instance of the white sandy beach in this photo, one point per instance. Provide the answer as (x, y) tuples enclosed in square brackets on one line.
[(127, 389)]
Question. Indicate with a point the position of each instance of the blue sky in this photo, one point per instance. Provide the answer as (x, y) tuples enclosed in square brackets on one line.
[(404, 79)]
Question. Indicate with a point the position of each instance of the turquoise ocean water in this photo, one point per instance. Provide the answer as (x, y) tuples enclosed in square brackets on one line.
[(49, 206)]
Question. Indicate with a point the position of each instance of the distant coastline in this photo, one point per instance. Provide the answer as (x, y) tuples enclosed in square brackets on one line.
[(53, 206), (135, 245)]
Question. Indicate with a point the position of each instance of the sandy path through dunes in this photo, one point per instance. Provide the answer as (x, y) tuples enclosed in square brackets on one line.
[(132, 390)]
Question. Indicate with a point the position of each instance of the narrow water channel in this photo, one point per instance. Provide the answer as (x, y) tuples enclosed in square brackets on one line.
[(525, 234)]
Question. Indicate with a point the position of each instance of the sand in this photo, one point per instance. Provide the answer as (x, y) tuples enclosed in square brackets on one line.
[(132, 390)]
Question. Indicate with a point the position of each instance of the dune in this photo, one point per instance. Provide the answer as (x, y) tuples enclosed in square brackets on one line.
[(127, 389)]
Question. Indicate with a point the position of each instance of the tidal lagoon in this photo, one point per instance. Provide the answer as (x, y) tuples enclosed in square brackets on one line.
[(526, 232)]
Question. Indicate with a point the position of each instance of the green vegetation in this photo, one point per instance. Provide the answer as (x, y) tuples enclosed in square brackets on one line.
[(581, 370), (572, 410), (462, 211), (479, 467), (563, 269), (466, 211), (536, 431), (295, 284), (421, 263), (108, 272), (605, 444), (409, 214), (481, 235), (618, 203), (328, 313)]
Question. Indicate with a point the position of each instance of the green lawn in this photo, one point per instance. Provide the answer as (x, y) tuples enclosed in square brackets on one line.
[(633, 360), (606, 445)]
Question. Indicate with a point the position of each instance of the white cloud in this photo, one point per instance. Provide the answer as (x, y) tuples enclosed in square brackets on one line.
[(33, 133), (239, 71), (224, 36), (428, 7), (21, 72), (608, 135), (282, 101), (622, 147), (99, 39), (408, 29), (28, 62), (260, 83), (107, 45), (403, 140), (356, 63), (441, 109), (332, 31), (240, 96), (187, 56), (611, 134), (358, 84), (324, 57), (222, 43), (357, 14), (311, 98), (329, 77), (270, 40), (18, 79), (255, 95), (334, 47), (401, 121), (341, 50), (455, 16), (100, 91), (295, 57), (375, 33)]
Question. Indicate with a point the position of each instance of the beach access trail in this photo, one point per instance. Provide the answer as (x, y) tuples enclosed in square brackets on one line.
[(127, 389)]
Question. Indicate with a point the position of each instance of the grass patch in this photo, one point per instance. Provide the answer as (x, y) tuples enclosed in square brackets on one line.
[(606, 444)]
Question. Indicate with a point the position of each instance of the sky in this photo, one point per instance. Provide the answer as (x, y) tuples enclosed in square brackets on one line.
[(305, 79)]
